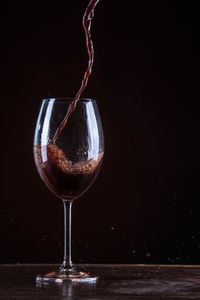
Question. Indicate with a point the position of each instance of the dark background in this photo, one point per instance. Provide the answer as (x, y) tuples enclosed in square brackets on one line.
[(144, 206)]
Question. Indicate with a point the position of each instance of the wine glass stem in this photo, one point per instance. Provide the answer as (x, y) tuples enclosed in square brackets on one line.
[(67, 263)]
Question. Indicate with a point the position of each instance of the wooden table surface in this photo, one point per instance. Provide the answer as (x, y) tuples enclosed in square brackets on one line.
[(116, 282)]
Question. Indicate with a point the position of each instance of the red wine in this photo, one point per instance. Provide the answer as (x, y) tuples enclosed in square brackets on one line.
[(87, 20), (65, 179)]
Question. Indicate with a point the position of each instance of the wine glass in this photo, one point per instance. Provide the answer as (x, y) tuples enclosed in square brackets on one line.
[(69, 164)]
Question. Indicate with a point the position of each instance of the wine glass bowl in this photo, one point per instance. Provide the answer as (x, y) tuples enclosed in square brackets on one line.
[(69, 163)]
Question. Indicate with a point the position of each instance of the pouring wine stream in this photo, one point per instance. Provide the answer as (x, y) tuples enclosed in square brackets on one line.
[(87, 21)]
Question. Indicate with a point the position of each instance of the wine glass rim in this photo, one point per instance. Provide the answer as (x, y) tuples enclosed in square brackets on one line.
[(67, 99)]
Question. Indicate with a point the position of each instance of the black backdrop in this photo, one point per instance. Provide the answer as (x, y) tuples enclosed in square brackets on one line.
[(144, 206)]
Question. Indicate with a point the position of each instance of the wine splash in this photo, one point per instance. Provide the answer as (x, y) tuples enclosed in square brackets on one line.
[(87, 20), (65, 179)]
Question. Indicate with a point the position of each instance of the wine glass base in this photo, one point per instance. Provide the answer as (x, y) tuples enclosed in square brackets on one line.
[(58, 277)]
